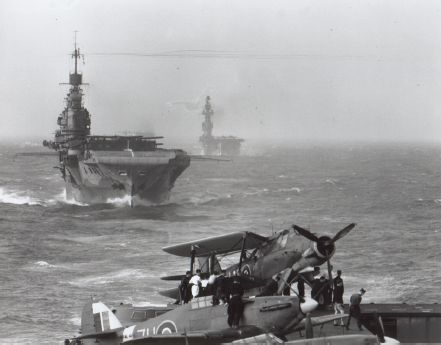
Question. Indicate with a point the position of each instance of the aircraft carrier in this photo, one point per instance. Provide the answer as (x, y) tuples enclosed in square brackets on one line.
[(97, 168), (216, 145)]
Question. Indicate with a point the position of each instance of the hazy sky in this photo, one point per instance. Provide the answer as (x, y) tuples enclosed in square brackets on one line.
[(295, 70)]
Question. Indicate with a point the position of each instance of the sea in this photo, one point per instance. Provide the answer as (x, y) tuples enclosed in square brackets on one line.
[(56, 254)]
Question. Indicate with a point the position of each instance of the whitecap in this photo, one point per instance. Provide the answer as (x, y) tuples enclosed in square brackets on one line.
[(292, 189), (17, 198), (43, 264), (75, 320), (257, 192), (331, 181)]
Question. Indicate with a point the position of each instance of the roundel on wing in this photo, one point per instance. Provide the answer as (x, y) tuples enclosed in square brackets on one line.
[(246, 271), (166, 327)]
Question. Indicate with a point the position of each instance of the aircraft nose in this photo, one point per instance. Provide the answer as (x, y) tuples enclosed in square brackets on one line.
[(308, 305)]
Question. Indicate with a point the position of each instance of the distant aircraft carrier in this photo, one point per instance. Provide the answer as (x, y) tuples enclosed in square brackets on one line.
[(211, 145), (97, 167)]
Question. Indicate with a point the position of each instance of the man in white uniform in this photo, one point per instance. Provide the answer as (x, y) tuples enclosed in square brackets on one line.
[(195, 283)]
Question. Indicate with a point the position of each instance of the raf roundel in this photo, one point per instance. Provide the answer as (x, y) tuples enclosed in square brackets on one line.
[(167, 327), (246, 271)]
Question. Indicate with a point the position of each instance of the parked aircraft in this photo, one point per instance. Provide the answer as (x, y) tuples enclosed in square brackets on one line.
[(198, 322), (261, 257)]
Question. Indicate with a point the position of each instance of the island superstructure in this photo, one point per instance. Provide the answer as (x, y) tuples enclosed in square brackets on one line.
[(97, 168), (216, 145)]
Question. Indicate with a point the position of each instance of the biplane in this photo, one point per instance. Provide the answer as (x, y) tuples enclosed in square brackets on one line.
[(285, 253)]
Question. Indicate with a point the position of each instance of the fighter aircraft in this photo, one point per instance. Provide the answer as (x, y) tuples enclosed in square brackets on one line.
[(198, 322), (261, 257)]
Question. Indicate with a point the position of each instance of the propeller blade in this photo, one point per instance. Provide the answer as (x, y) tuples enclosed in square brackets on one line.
[(306, 233), (342, 233)]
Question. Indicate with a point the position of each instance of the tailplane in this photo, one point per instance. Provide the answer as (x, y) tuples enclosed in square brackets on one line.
[(97, 320)]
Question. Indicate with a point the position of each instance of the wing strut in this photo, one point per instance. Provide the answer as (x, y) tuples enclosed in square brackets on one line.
[(193, 254), (242, 252)]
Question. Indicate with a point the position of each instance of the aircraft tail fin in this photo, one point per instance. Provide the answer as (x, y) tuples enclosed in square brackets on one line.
[(98, 320)]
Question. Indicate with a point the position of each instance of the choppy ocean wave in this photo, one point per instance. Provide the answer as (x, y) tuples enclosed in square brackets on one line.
[(125, 275), (56, 253)]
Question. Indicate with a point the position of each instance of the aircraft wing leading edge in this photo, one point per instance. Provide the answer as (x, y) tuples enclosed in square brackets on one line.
[(222, 244)]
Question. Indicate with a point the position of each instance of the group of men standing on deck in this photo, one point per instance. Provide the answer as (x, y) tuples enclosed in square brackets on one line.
[(224, 291), (321, 291), (219, 287), (192, 286)]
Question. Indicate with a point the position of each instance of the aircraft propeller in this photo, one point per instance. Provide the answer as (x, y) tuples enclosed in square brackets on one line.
[(324, 242), (324, 247)]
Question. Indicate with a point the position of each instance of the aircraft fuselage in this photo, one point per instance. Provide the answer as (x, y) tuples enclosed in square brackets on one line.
[(285, 249), (271, 314)]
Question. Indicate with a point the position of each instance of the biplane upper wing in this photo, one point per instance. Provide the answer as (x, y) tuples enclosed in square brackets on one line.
[(222, 244), (199, 337)]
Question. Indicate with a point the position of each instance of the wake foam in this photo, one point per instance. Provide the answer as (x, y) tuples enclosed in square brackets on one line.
[(62, 197), (124, 201), (17, 198)]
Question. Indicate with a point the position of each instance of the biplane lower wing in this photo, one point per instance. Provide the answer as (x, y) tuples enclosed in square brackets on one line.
[(319, 320), (172, 293), (229, 243), (199, 337)]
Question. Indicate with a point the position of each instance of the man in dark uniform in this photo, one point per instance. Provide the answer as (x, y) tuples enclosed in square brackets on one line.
[(235, 306), (337, 298), (220, 288), (184, 288), (354, 309), (318, 291)]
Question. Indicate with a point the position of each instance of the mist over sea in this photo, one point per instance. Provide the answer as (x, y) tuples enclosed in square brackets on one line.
[(55, 253)]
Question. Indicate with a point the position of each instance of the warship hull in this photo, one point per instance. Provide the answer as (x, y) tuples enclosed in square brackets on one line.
[(145, 177)]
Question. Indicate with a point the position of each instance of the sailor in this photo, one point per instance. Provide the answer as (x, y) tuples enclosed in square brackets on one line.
[(337, 298), (220, 288), (327, 292), (195, 283), (354, 308), (271, 287), (317, 291), (184, 288), (235, 306), (210, 283), (204, 285)]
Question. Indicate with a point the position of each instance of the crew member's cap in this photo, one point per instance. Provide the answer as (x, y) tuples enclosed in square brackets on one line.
[(338, 271), (362, 290), (188, 272)]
